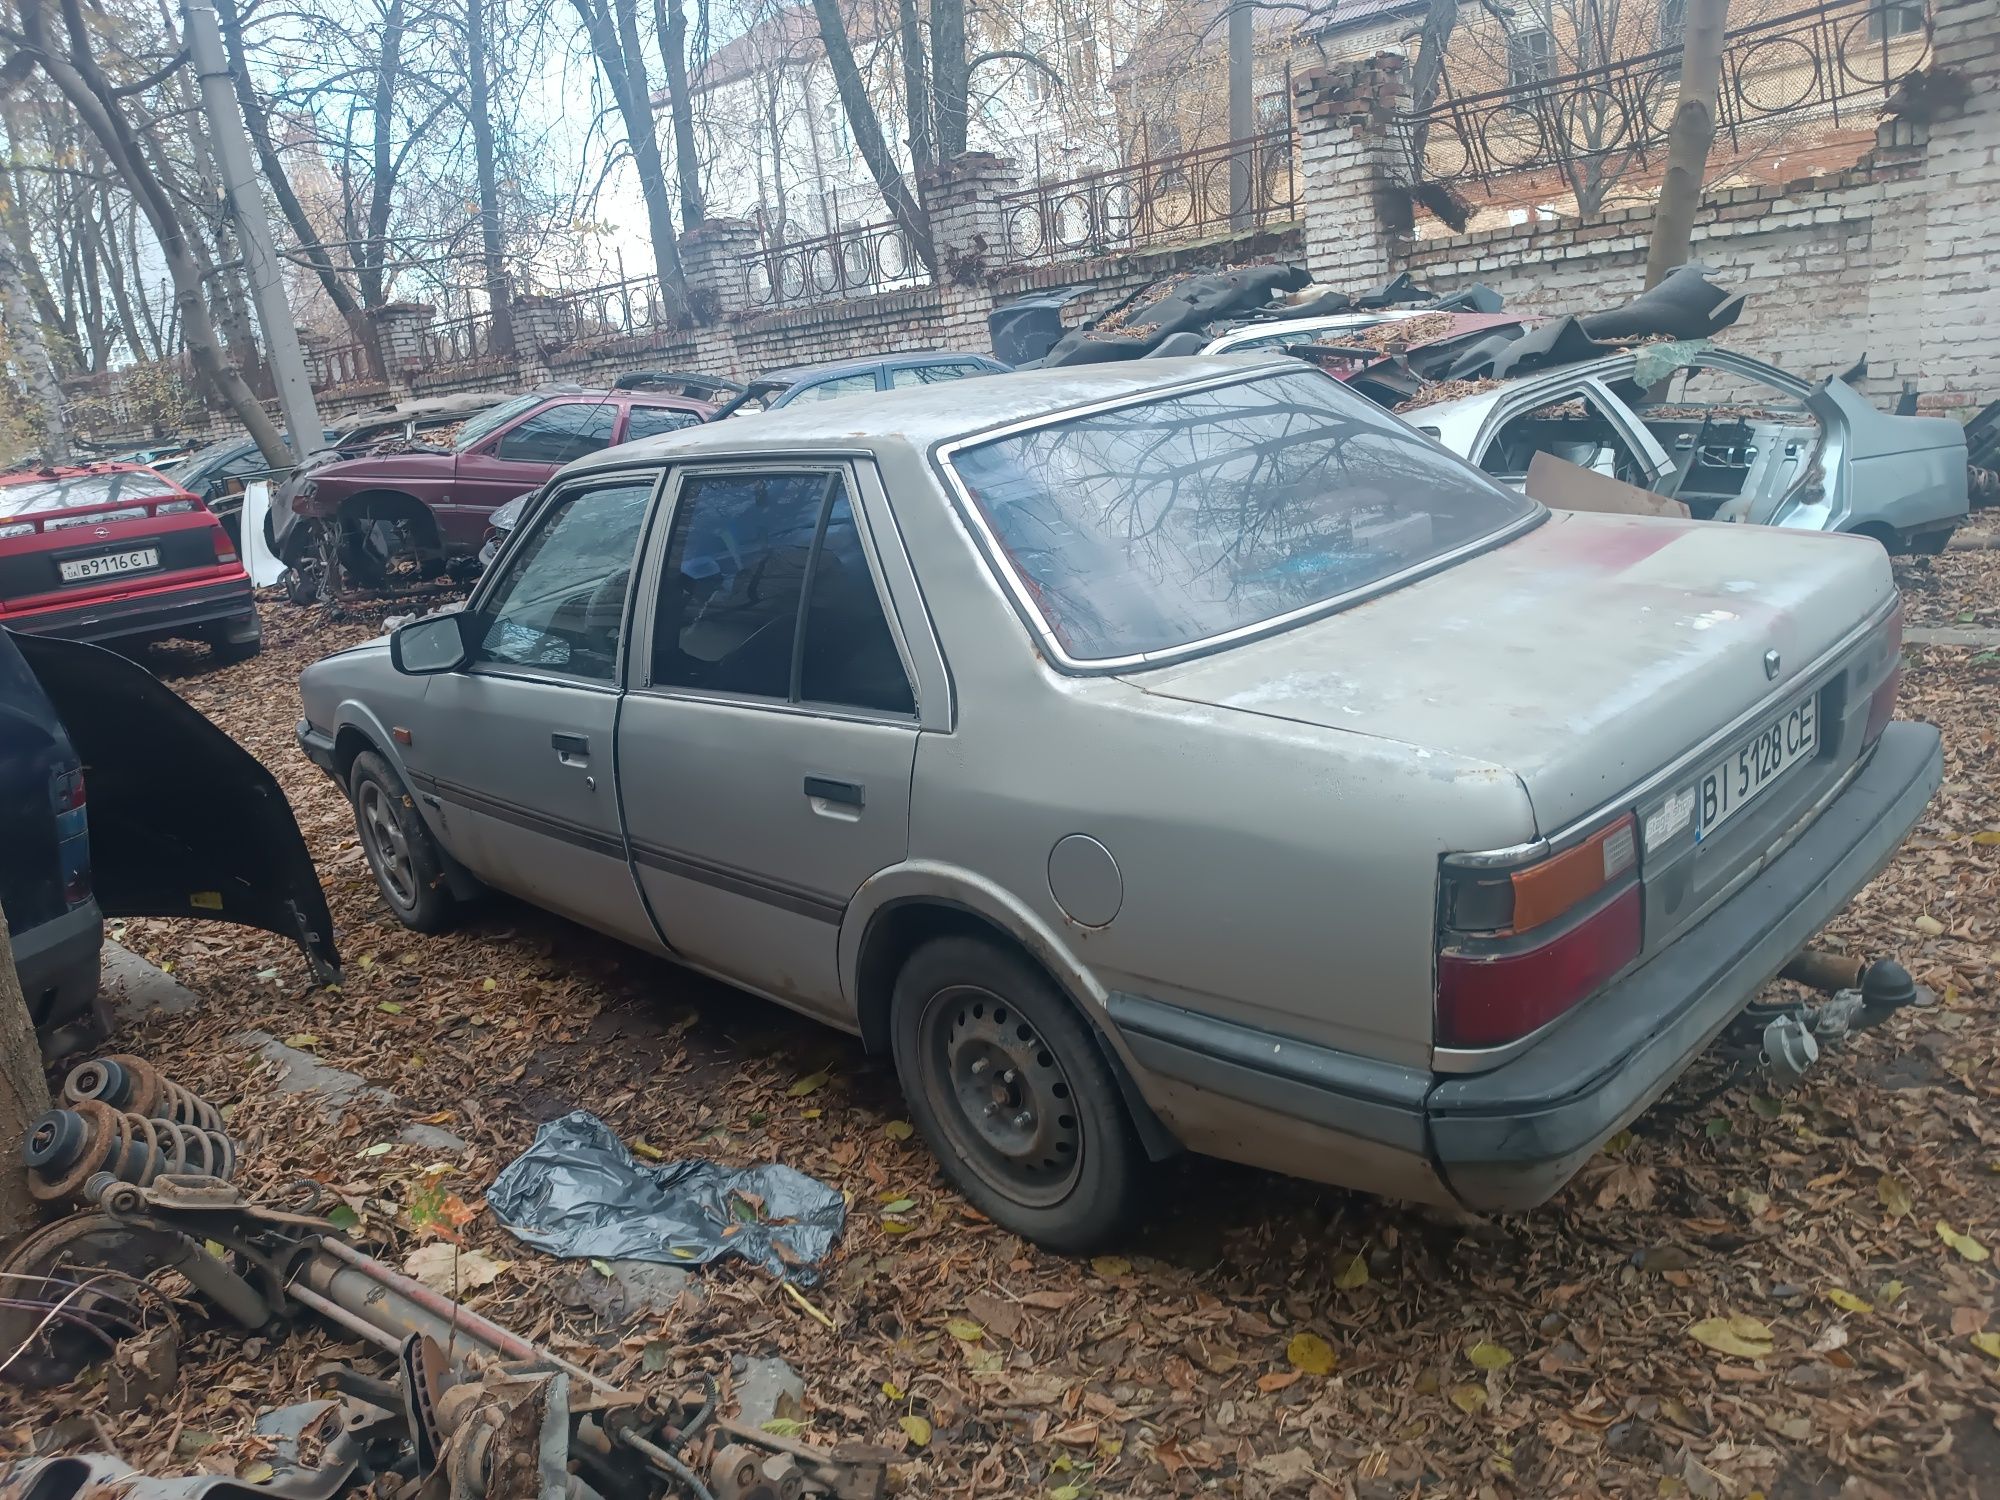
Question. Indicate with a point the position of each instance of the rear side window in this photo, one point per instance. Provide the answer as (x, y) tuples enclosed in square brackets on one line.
[(767, 592), (844, 385), (933, 374), (560, 433), (1171, 520), (651, 421)]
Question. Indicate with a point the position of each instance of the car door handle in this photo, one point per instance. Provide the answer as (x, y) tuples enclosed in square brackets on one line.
[(824, 789), (571, 749)]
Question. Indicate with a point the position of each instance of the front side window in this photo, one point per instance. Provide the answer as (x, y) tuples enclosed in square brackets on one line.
[(561, 433), (561, 605), (767, 592), (651, 421), (1185, 516), (1574, 428)]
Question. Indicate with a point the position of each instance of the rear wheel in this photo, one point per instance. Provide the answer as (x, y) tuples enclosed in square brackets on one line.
[(405, 860), (1013, 1094), (237, 640)]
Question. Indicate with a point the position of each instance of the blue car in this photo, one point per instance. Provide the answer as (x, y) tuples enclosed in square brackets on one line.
[(45, 887), (181, 822), (854, 377)]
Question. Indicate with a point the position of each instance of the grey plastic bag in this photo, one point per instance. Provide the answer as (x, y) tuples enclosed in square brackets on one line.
[(578, 1192)]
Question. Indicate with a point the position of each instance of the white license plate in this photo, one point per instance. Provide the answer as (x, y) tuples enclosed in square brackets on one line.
[(110, 565), (1735, 781)]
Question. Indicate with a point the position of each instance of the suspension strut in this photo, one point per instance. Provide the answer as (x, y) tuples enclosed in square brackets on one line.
[(66, 1147)]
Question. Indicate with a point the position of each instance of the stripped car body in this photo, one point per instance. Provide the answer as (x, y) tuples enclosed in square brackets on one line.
[(1168, 664)]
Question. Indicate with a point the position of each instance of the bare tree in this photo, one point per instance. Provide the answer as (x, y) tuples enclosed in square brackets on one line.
[(66, 54), (670, 21), (1688, 138), (29, 352), (613, 29), (24, 1094), (491, 251), (904, 206)]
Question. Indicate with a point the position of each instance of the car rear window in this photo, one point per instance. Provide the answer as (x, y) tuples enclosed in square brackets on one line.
[(37, 495), (1165, 522)]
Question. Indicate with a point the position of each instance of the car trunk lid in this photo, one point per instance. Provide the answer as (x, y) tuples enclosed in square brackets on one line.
[(1583, 657)]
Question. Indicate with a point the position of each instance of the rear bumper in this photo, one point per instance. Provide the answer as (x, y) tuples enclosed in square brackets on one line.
[(57, 962), (1509, 1138), (165, 612)]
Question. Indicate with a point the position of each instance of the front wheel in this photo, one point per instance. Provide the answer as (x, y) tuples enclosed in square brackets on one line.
[(407, 864), (1014, 1095)]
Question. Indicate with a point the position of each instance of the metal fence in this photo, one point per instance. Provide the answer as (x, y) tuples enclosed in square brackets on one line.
[(1832, 67), (466, 340), (1190, 195), (846, 263)]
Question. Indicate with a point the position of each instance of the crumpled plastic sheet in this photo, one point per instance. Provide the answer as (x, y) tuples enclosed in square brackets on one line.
[(578, 1192)]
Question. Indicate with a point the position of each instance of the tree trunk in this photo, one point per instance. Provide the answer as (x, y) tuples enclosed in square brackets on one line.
[(1428, 75), (949, 80), (670, 17), (616, 43), (30, 353), (75, 73), (1688, 138), (24, 1093), (382, 174), (904, 208), (499, 298), (916, 89)]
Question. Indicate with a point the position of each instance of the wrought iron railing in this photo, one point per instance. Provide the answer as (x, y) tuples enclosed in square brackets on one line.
[(1188, 196), (631, 308), (1832, 66), (846, 263), (466, 340), (338, 365)]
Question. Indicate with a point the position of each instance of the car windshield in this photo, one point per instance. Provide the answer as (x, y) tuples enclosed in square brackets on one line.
[(1172, 520), (477, 426), (69, 491)]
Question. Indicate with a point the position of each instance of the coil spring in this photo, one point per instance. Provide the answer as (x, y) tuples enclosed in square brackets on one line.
[(66, 1147), (131, 1083)]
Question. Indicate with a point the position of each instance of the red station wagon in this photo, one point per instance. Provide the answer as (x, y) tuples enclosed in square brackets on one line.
[(117, 554)]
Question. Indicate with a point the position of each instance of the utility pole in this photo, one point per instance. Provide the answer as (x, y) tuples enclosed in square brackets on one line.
[(253, 231), (1242, 114)]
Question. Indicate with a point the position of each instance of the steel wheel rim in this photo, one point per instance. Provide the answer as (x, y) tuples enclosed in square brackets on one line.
[(388, 847), (1001, 1095)]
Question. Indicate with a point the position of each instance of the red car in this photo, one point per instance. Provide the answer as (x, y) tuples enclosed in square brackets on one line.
[(429, 500), (115, 553)]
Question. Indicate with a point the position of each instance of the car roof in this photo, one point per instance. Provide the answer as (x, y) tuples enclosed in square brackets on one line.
[(793, 374), (921, 415)]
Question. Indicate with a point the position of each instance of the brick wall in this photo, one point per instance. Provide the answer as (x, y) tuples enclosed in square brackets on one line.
[(1897, 258)]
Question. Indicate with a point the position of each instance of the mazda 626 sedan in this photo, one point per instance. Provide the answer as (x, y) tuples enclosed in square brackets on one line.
[(1185, 754)]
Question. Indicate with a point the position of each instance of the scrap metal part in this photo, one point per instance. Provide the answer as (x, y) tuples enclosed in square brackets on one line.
[(476, 1410), (131, 1083), (66, 1148)]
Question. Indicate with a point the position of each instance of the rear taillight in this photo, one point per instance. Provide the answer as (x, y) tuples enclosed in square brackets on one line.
[(1882, 702), (1518, 947), (66, 799), (1488, 996), (225, 550)]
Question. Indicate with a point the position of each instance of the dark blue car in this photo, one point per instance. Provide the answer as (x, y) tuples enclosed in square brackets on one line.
[(182, 822), (45, 887)]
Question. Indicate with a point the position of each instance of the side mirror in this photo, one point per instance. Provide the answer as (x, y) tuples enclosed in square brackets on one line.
[(424, 648)]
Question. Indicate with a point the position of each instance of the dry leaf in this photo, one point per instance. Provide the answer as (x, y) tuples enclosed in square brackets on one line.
[(1930, 926), (1987, 1343), (1489, 1356), (1964, 1244), (1352, 1273), (1737, 1334), (965, 1330), (1311, 1353), (1894, 1196), (899, 1130), (443, 1267), (806, 1085), (1111, 1265), (916, 1429), (1277, 1380), (1841, 1297), (1469, 1398)]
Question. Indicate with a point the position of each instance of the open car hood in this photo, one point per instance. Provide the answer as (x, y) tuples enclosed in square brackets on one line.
[(184, 822)]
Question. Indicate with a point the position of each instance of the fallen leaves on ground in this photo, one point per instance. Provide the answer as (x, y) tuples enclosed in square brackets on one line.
[(1163, 1367)]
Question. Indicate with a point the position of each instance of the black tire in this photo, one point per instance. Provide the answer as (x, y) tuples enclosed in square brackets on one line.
[(983, 1042), (225, 651), (410, 875)]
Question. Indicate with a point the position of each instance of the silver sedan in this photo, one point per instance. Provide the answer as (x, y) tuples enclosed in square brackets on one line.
[(1185, 754)]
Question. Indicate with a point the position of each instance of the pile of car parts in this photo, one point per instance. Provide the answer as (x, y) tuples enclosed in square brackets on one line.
[(128, 1120), (472, 1410)]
